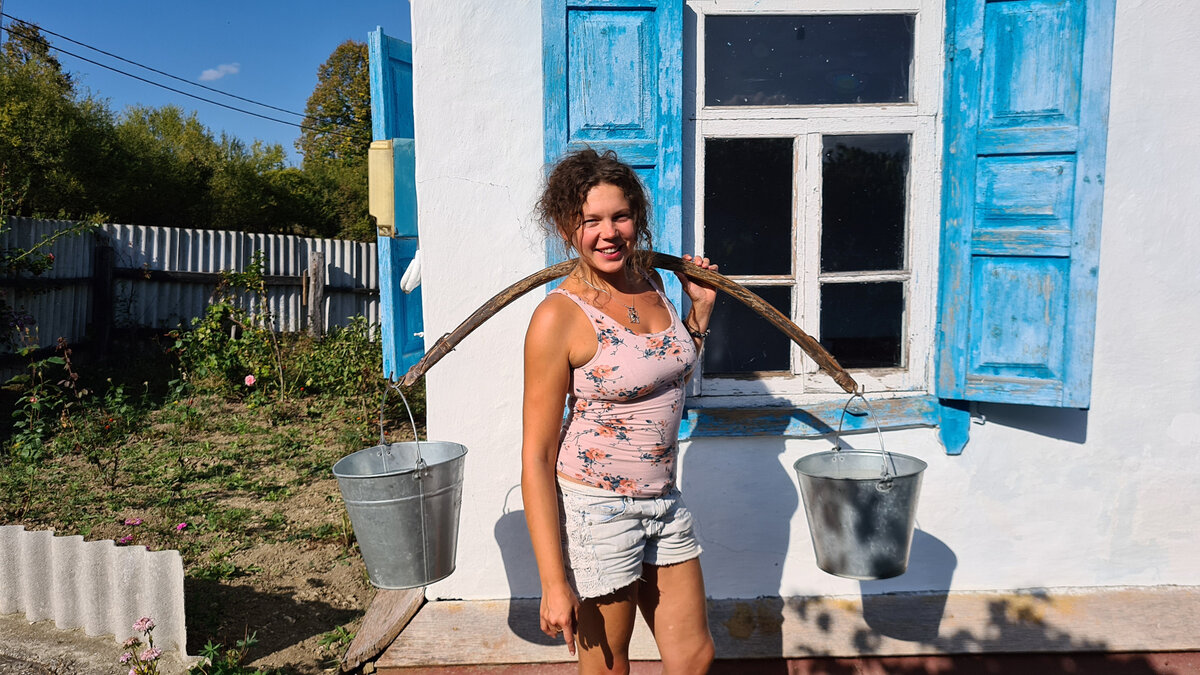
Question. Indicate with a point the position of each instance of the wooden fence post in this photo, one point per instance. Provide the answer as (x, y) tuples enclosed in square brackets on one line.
[(102, 295), (316, 294)]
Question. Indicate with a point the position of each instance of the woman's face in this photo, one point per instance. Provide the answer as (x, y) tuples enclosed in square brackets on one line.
[(606, 232)]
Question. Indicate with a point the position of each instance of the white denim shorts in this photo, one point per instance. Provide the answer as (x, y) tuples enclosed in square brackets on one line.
[(606, 537)]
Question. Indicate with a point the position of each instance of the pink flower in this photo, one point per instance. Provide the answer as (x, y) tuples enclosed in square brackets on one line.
[(133, 521), (125, 657), (50, 256), (181, 527), (131, 642), (133, 671), (144, 624), (151, 654), (250, 380), (33, 399), (126, 539)]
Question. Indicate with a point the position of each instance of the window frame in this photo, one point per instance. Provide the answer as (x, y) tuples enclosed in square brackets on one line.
[(919, 119)]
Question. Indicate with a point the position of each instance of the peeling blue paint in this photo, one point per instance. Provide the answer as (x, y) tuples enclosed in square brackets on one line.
[(400, 314), (1025, 128), (613, 79), (811, 421)]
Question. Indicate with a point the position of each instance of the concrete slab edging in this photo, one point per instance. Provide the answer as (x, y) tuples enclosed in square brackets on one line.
[(94, 585)]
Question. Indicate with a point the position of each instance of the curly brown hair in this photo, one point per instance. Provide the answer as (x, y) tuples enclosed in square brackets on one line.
[(560, 207)]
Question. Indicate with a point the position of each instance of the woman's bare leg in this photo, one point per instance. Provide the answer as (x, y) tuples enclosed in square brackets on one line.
[(671, 598), (604, 628)]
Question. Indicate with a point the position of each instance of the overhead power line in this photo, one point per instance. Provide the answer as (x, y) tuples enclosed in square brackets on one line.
[(188, 94), (154, 70)]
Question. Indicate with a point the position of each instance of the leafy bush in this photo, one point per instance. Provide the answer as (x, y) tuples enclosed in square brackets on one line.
[(346, 362), (233, 346)]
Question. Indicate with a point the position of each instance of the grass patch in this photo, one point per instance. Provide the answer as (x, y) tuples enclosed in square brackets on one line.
[(238, 479)]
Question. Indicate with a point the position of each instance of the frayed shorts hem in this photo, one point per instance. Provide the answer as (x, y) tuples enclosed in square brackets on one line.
[(607, 537)]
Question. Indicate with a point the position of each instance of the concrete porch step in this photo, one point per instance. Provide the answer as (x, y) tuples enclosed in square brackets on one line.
[(1061, 621), (1175, 663)]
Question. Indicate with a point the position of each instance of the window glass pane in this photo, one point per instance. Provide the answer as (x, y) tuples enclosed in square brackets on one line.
[(741, 340), (862, 324), (807, 60), (864, 192), (748, 204)]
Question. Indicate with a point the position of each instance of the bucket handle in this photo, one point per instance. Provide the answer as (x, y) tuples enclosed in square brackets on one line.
[(889, 464), (421, 466), (422, 469)]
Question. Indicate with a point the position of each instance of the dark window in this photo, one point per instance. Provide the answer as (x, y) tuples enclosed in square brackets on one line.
[(748, 204), (862, 324), (743, 341), (807, 60), (864, 198)]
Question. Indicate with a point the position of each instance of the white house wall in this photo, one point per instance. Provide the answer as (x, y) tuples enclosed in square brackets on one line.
[(1040, 497)]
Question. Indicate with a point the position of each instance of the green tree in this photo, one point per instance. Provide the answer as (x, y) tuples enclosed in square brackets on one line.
[(341, 194), (339, 109), (26, 44), (63, 154), (53, 140), (335, 147), (167, 159)]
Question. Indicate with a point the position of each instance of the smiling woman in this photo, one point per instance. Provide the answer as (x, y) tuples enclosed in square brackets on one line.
[(608, 525)]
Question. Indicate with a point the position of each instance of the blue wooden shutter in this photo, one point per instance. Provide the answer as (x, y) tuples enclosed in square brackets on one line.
[(613, 78), (392, 119), (1026, 123)]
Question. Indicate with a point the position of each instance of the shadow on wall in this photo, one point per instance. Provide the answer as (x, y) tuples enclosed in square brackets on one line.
[(744, 500), (912, 616), (1064, 424), (512, 535)]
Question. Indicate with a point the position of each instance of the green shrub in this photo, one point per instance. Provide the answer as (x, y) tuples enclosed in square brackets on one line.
[(346, 362)]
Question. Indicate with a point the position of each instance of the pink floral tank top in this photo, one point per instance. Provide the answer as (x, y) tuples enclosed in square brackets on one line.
[(621, 431)]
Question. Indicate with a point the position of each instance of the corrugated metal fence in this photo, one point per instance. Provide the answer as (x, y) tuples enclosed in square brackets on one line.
[(163, 277)]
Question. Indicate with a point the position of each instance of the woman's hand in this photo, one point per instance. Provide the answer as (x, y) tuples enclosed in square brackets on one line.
[(702, 295), (559, 609)]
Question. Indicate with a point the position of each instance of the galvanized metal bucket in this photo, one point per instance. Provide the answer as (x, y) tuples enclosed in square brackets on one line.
[(861, 506), (403, 500)]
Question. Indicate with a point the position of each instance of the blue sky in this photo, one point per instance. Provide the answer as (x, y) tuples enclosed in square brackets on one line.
[(264, 50)]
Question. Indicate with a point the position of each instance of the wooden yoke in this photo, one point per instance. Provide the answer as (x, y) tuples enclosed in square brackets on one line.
[(449, 341)]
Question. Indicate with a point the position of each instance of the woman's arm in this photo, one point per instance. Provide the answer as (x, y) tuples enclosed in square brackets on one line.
[(703, 298), (547, 376)]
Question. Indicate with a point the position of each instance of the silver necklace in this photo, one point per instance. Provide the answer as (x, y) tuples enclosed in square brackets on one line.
[(634, 317)]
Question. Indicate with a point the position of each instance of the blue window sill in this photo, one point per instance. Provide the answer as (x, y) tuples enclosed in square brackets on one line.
[(819, 419)]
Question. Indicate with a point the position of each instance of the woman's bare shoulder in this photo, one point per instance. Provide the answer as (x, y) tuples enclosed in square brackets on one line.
[(560, 327), (555, 314)]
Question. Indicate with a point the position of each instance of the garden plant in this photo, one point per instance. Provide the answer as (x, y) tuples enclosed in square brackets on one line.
[(217, 440)]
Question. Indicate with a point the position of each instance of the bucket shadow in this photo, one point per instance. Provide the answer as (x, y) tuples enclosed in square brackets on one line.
[(520, 567), (890, 609)]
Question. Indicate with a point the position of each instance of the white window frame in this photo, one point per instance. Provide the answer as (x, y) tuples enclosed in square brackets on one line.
[(920, 119)]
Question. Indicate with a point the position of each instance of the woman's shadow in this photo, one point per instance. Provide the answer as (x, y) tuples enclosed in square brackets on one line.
[(524, 587)]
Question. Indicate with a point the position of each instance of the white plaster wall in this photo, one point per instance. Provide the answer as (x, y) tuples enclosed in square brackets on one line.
[(1040, 498), (477, 96)]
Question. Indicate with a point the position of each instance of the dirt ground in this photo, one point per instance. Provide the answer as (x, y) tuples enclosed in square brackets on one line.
[(270, 552), (305, 590)]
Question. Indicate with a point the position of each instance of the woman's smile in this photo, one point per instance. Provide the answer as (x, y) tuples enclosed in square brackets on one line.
[(606, 229)]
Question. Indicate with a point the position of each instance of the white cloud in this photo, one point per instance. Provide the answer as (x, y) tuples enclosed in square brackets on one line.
[(220, 71)]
